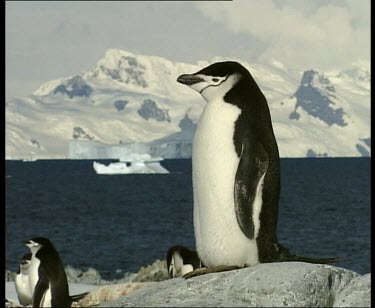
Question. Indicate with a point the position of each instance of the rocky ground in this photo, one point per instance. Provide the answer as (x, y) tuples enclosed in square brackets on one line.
[(293, 284), (265, 285), (156, 271), (100, 290)]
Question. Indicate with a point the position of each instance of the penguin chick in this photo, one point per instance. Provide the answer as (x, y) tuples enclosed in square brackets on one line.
[(181, 260), (22, 281)]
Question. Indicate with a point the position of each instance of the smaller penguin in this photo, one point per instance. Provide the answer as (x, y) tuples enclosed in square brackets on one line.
[(47, 277), (22, 281), (181, 260)]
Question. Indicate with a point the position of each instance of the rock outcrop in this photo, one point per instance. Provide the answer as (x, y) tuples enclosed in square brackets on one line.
[(293, 284)]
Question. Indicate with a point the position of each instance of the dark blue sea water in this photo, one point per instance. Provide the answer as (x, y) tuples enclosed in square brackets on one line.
[(112, 222)]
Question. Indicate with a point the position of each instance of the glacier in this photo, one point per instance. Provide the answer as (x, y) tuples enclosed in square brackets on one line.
[(131, 103)]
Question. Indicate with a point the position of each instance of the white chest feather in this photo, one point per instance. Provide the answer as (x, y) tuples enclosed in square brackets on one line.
[(33, 273), (23, 289), (47, 298), (219, 239)]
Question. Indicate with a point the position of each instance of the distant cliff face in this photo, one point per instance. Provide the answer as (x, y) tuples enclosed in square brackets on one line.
[(316, 95)]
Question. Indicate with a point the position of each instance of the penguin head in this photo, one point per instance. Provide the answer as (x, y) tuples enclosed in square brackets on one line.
[(25, 263), (215, 80), (26, 259), (37, 243), (175, 263)]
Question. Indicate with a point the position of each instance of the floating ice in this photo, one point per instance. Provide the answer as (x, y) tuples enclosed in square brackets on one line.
[(133, 163)]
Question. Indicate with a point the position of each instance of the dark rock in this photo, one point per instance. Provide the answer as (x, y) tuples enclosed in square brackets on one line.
[(35, 142), (294, 115), (134, 72), (361, 149), (315, 95), (149, 110), (74, 87), (79, 132), (367, 141), (187, 124), (120, 104), (113, 73)]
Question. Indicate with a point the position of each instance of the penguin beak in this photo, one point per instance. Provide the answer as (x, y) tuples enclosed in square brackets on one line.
[(189, 79), (28, 243)]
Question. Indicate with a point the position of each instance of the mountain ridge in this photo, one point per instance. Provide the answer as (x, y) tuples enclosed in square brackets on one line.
[(128, 98)]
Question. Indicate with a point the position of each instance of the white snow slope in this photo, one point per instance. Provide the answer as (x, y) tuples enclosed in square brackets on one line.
[(128, 99)]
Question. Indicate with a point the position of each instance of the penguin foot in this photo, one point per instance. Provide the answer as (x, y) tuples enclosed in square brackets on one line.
[(10, 304), (208, 270)]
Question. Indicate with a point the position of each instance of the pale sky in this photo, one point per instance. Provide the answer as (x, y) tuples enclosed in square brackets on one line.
[(46, 40)]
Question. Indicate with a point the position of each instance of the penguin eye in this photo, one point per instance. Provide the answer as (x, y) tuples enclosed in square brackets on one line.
[(215, 79)]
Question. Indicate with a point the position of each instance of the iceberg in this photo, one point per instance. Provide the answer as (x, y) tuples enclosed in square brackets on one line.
[(29, 159), (134, 163)]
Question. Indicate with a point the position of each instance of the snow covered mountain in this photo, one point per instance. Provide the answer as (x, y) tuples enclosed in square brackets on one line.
[(132, 103)]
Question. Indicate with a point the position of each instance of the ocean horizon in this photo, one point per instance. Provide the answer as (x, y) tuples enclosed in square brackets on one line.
[(119, 223)]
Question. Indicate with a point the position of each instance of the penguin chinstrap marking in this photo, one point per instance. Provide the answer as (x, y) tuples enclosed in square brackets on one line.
[(236, 173), (22, 281), (47, 277)]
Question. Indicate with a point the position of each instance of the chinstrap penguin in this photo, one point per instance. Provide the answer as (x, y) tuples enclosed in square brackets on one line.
[(181, 260), (47, 277), (22, 281), (236, 173)]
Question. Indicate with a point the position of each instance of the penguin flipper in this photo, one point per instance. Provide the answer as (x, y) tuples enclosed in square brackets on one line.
[(40, 289), (252, 166)]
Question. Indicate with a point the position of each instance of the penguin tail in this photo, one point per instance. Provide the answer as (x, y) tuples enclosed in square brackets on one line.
[(315, 260), (77, 297), (285, 255)]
